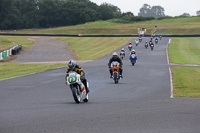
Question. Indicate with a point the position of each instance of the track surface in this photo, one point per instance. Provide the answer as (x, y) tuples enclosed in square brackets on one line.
[(45, 49), (140, 103)]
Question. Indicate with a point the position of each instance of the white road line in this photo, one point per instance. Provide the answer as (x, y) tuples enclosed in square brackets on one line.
[(170, 72), (29, 74)]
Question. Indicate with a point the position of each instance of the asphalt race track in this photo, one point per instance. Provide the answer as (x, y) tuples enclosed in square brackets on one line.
[(140, 103)]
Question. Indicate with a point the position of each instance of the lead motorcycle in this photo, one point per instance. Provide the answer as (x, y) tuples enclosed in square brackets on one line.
[(77, 87), (115, 71)]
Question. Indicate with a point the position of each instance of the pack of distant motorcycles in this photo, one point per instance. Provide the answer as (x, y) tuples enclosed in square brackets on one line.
[(78, 88), (132, 57)]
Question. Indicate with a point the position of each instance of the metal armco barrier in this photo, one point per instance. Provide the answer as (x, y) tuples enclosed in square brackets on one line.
[(65, 35)]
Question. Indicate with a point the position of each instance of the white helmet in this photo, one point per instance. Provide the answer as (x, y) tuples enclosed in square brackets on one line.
[(133, 50), (115, 54), (123, 49)]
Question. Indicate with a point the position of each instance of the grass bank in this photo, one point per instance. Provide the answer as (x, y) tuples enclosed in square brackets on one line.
[(9, 70), (180, 26), (186, 81), (7, 42), (95, 47), (185, 51)]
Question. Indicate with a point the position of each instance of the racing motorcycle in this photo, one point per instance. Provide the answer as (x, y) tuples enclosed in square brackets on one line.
[(122, 54), (152, 46), (140, 39), (77, 87), (130, 47), (146, 45), (136, 43), (115, 71), (156, 40), (133, 59)]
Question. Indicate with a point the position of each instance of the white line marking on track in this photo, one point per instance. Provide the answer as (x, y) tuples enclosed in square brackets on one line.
[(29, 74), (170, 72)]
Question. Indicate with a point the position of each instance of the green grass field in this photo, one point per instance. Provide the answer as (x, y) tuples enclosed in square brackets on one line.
[(185, 51), (7, 42), (186, 81), (181, 26), (95, 47), (8, 70)]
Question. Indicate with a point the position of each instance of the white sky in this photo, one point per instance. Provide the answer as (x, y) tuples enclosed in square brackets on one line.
[(172, 7)]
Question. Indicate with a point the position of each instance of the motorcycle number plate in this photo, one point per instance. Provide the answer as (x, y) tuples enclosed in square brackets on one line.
[(72, 79)]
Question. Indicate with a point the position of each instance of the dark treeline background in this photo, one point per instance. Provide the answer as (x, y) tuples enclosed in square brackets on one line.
[(21, 14), (24, 14)]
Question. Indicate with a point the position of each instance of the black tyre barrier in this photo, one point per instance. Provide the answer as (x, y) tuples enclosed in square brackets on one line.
[(16, 50)]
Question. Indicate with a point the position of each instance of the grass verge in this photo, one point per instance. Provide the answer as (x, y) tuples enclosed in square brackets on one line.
[(185, 51), (186, 81), (95, 47), (7, 42), (180, 26), (9, 70)]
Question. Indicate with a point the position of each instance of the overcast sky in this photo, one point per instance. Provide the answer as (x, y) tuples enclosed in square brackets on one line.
[(172, 7)]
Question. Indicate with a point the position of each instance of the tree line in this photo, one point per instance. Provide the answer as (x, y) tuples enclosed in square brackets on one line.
[(21, 14), (24, 14)]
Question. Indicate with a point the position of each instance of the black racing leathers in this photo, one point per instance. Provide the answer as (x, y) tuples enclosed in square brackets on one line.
[(117, 60), (80, 71)]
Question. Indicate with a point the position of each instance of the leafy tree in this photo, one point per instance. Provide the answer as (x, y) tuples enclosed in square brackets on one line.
[(157, 11), (185, 15), (145, 11), (127, 14), (198, 13), (148, 11), (107, 11)]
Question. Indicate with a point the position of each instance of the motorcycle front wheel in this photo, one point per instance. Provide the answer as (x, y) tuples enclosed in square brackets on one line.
[(86, 98), (76, 94), (115, 78)]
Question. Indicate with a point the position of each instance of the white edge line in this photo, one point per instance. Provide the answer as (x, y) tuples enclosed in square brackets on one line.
[(30, 74), (170, 72)]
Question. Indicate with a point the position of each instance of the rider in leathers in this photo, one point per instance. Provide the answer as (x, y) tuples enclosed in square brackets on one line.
[(74, 67), (117, 59)]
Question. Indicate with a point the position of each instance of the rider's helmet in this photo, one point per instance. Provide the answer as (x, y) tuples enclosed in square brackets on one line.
[(130, 43), (133, 50), (115, 55), (146, 41), (71, 64), (122, 49)]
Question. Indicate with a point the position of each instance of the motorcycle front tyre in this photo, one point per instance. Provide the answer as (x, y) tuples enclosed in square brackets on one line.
[(77, 97), (86, 99), (115, 78)]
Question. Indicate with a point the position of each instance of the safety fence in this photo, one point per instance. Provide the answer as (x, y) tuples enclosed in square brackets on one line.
[(13, 51), (80, 35)]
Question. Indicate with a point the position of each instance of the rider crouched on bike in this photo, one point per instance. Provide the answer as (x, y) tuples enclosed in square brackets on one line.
[(133, 52), (72, 66), (117, 59), (122, 52)]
